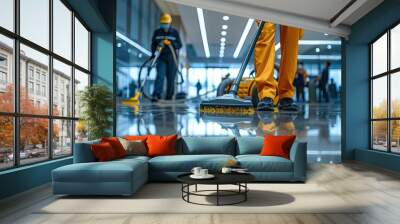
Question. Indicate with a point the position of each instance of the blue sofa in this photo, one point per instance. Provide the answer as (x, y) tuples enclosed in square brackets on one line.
[(125, 176)]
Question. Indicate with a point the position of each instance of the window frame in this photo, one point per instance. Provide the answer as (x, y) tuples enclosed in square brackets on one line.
[(388, 74), (16, 114)]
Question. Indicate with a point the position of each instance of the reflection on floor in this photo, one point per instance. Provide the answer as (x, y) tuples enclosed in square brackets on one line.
[(318, 124)]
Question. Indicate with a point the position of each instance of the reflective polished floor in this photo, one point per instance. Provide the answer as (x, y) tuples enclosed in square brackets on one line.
[(317, 124)]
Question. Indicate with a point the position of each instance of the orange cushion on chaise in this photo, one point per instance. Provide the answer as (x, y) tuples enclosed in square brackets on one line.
[(277, 145), (161, 145), (103, 152), (116, 145)]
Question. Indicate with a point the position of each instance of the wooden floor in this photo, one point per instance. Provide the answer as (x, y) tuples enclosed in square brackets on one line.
[(378, 189)]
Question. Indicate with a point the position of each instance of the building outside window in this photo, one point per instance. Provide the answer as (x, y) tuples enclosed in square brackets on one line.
[(30, 72), (3, 78), (54, 132), (385, 95), (44, 91), (30, 87)]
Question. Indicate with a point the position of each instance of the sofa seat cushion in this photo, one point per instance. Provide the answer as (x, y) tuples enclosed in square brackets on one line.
[(112, 171), (133, 157), (185, 163), (257, 163)]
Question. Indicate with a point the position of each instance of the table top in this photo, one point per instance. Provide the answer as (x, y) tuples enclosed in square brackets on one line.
[(220, 178)]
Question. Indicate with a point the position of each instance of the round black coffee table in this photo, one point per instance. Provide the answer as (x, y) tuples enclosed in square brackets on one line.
[(238, 179)]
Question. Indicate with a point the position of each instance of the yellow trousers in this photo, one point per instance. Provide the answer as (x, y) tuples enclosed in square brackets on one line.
[(264, 60)]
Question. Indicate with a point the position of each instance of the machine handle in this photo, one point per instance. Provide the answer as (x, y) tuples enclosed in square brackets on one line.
[(235, 85)]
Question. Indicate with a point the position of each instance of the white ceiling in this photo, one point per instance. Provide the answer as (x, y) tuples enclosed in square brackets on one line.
[(236, 25), (320, 9), (328, 16)]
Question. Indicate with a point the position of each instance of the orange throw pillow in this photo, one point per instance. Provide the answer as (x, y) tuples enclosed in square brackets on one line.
[(277, 145), (136, 138), (103, 152), (116, 145), (161, 145)]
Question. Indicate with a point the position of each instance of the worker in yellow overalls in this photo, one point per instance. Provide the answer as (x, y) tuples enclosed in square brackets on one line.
[(271, 91)]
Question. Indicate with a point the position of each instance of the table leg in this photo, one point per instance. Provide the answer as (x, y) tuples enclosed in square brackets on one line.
[(188, 190), (217, 194), (245, 193), (195, 188)]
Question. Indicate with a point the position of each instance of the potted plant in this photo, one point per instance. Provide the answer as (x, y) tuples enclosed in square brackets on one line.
[(96, 103)]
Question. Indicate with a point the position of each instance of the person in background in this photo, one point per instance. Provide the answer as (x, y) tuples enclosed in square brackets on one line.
[(300, 82), (323, 82), (198, 87), (165, 36), (332, 89)]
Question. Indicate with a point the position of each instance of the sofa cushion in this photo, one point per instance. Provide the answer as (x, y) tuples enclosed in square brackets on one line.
[(277, 145), (161, 145), (185, 163), (112, 171), (116, 145), (206, 145), (257, 163), (103, 152), (134, 147), (249, 145)]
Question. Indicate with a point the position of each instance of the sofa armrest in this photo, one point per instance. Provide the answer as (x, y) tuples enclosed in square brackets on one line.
[(83, 152), (298, 155)]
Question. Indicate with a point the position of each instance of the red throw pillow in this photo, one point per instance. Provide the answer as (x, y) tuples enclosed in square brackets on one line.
[(103, 151), (161, 145), (136, 138), (277, 145), (116, 145)]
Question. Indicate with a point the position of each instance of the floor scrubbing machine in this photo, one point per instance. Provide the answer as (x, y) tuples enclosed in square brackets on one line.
[(231, 103), (150, 63)]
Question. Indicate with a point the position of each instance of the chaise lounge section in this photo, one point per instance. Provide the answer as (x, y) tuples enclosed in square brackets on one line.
[(125, 176)]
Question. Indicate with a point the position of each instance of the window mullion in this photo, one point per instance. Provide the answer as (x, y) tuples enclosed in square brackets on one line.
[(16, 84), (73, 82), (389, 106), (50, 81)]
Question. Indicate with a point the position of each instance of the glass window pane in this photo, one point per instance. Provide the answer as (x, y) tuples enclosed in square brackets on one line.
[(395, 135), (62, 89), (81, 45), (33, 139), (379, 98), (35, 21), (81, 131), (34, 72), (81, 81), (379, 56), (6, 142), (395, 47), (7, 14), (379, 135), (6, 74), (62, 138), (395, 95), (62, 29)]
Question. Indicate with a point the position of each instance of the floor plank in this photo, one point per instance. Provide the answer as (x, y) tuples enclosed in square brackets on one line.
[(377, 190)]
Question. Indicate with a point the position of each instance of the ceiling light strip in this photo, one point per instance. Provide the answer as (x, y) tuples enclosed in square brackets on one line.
[(317, 57), (313, 42), (202, 24), (243, 37), (133, 43), (320, 42)]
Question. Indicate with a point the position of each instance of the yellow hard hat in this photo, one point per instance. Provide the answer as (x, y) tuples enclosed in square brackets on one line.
[(166, 18)]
